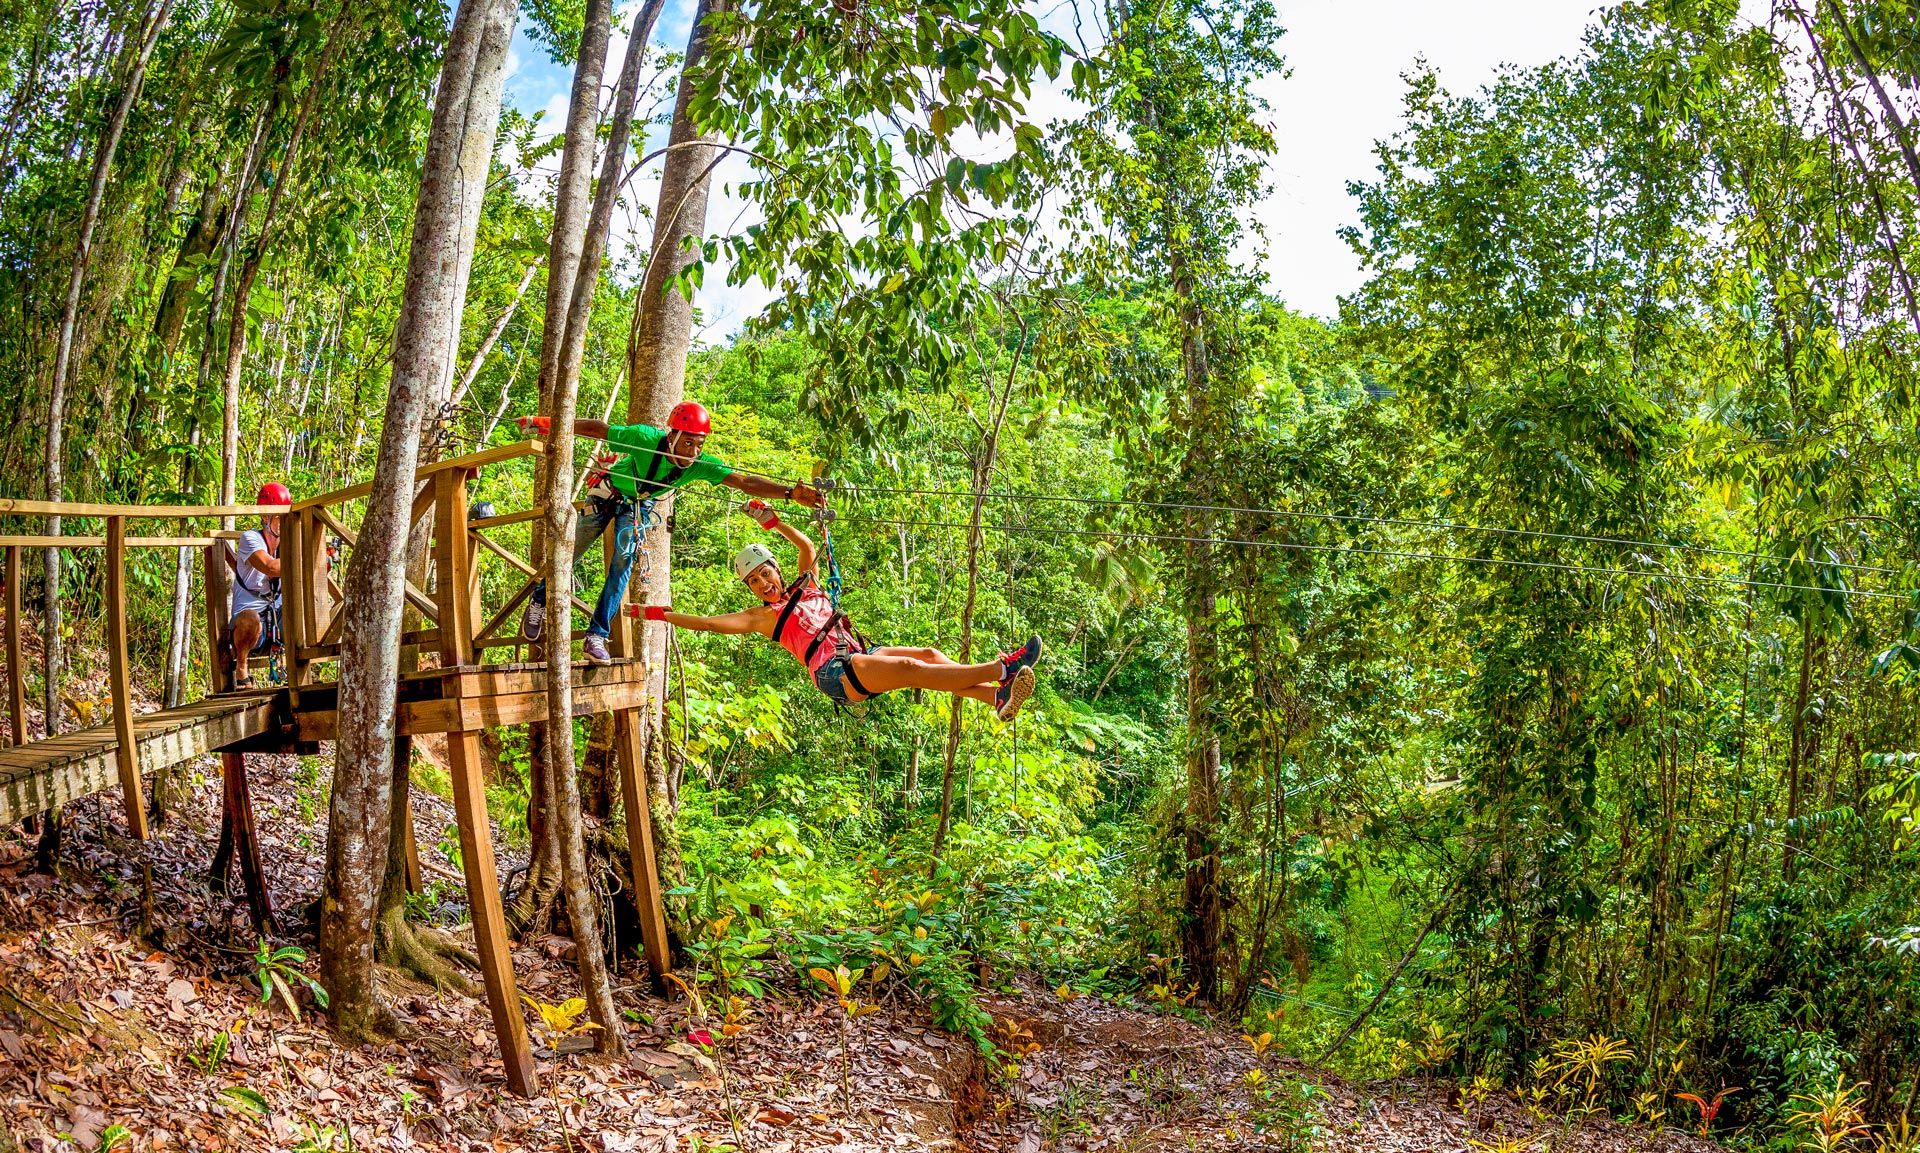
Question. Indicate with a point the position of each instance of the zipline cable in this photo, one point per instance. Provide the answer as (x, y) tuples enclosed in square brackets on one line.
[(1297, 546), (858, 490), (1452, 526), (1562, 566)]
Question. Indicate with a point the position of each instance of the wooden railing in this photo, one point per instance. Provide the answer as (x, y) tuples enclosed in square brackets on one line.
[(116, 542)]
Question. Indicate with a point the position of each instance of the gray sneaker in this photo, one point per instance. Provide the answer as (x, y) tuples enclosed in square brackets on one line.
[(596, 649), (534, 620)]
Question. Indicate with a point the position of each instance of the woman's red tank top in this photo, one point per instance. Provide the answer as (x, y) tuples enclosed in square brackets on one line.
[(810, 614)]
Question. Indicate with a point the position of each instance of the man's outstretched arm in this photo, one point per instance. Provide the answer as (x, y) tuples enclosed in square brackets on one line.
[(760, 486)]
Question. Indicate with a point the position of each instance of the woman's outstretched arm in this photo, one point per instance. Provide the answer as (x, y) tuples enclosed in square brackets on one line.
[(745, 621)]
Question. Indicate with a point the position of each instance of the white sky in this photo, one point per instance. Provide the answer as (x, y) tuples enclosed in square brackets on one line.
[(1342, 94)]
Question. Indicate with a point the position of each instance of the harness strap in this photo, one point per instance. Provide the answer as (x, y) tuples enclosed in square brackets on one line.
[(826, 630), (853, 679), (786, 610)]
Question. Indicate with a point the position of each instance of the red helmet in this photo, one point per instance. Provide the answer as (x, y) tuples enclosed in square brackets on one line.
[(273, 492), (690, 417)]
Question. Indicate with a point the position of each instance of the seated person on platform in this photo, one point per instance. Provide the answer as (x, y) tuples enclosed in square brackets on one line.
[(256, 584), (804, 621)]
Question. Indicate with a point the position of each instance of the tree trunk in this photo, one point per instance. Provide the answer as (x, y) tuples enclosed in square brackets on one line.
[(983, 462), (493, 335), (63, 349), (532, 908), (583, 908), (250, 270), (1201, 915), (465, 116), (657, 372)]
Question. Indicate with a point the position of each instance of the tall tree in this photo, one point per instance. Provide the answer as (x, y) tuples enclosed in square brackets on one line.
[(567, 814), (1173, 154), (459, 148), (116, 125)]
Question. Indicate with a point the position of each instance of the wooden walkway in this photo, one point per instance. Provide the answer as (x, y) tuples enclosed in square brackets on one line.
[(460, 694), (38, 776)]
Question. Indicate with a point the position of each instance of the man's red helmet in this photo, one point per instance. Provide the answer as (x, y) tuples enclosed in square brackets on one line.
[(690, 417), (273, 492)]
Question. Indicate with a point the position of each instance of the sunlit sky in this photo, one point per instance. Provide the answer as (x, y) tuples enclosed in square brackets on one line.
[(1343, 92)]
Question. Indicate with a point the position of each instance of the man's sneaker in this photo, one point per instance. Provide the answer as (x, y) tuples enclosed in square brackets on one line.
[(534, 620), (1026, 656), (1013, 693), (596, 648)]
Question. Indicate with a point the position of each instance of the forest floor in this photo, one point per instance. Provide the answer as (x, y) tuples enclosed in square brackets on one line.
[(104, 1023)]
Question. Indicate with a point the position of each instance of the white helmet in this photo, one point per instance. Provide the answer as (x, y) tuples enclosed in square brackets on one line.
[(750, 558)]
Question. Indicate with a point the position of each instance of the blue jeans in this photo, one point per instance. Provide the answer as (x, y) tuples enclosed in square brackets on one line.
[(592, 523)]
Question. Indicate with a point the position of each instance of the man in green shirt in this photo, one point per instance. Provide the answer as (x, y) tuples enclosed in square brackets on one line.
[(651, 463)]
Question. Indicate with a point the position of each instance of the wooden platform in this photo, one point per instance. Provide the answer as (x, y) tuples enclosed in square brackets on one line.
[(467, 698), (38, 776)]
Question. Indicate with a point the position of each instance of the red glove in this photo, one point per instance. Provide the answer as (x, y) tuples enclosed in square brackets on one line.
[(760, 511), (654, 612), (541, 424)]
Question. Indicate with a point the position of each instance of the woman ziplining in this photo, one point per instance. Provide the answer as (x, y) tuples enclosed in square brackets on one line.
[(802, 619)]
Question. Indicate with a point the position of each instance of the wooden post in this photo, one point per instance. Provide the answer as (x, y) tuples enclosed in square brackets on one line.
[(644, 865), (295, 631), (16, 675), (219, 660), (237, 816), (453, 560), (126, 752)]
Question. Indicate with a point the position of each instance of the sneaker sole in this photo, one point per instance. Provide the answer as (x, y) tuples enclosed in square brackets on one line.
[(1017, 694), (593, 660)]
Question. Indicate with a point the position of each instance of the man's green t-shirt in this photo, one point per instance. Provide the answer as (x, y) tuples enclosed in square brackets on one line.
[(643, 471)]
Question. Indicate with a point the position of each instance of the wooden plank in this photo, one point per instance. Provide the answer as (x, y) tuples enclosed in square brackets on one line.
[(470, 714), (16, 673), (642, 860), (525, 568), (151, 511), (219, 656), (473, 460), (509, 518), (100, 541), (89, 763), (489, 918), (293, 594), (498, 680), (415, 596), (126, 750)]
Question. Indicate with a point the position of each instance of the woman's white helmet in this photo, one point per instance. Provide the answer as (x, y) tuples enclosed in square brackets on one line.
[(750, 558)]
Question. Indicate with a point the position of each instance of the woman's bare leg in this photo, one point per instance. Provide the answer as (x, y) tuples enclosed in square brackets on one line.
[(931, 656), (882, 672)]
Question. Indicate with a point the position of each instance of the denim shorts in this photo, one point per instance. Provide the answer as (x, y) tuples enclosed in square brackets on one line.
[(831, 679)]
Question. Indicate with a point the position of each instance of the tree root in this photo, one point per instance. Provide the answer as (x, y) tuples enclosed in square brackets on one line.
[(532, 909), (423, 953)]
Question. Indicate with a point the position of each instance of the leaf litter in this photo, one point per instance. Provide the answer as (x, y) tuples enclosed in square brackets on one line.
[(167, 1036)]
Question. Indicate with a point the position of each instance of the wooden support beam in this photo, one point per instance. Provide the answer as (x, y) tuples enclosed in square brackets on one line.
[(641, 858), (525, 568), (415, 596), (487, 630), (237, 818), (147, 511), (16, 672), (293, 601), (219, 658), (453, 558), (43, 541), (126, 751), (489, 917), (470, 462)]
